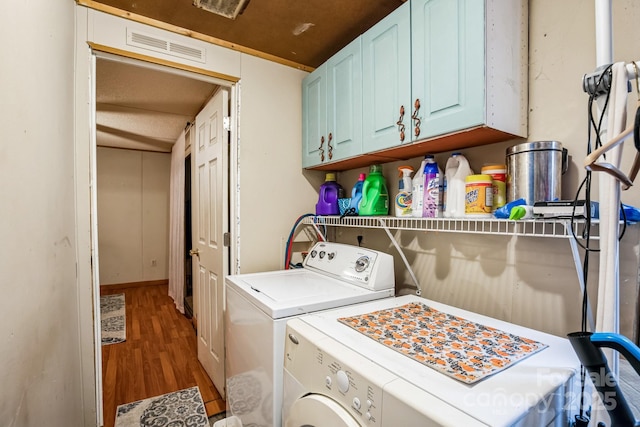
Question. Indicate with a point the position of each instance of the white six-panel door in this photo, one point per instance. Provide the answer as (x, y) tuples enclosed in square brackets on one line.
[(210, 223)]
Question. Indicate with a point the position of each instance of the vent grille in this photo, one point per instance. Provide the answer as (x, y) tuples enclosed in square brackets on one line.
[(227, 8), (146, 41), (191, 52)]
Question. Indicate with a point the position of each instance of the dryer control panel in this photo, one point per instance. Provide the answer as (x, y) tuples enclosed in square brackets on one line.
[(360, 266)]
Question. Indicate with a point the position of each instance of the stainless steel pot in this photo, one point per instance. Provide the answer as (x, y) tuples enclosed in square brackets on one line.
[(534, 171)]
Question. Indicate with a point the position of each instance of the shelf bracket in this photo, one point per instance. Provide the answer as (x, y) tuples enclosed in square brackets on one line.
[(404, 259)]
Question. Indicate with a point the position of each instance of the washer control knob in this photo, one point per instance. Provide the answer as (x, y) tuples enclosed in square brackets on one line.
[(362, 263), (343, 381), (369, 403), (368, 415), (356, 403), (322, 254), (327, 381), (314, 253), (331, 255)]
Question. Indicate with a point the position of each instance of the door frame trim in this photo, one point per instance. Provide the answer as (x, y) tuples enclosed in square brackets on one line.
[(85, 171)]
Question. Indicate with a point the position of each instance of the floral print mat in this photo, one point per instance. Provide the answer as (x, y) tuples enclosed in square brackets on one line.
[(183, 408), (113, 319), (459, 348)]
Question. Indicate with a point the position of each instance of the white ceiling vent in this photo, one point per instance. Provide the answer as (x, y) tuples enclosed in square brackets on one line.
[(169, 47), (227, 8)]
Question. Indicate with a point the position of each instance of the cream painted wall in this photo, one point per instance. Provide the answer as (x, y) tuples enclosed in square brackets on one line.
[(133, 215), (271, 184), (530, 281), (273, 188), (41, 383)]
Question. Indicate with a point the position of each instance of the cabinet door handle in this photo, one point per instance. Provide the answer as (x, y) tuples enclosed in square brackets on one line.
[(321, 149), (415, 118), (400, 124), (330, 147)]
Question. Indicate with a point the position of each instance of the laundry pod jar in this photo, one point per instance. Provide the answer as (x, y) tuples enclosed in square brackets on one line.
[(478, 196), (498, 175), (534, 171)]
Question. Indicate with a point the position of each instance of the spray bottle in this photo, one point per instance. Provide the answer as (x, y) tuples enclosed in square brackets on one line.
[(403, 198)]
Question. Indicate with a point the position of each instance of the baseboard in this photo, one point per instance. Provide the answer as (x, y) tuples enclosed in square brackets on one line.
[(118, 286)]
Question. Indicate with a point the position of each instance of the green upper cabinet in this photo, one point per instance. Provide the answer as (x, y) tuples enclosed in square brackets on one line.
[(436, 75), (314, 117), (469, 66), (386, 78), (332, 109), (447, 64)]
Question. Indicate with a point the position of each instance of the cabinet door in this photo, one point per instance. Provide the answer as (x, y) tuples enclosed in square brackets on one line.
[(448, 65), (314, 117), (386, 77), (344, 103)]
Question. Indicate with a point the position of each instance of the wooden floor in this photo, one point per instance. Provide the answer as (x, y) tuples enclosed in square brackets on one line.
[(628, 380), (159, 355)]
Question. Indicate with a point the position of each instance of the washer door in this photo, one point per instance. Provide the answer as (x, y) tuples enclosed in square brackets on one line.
[(316, 410)]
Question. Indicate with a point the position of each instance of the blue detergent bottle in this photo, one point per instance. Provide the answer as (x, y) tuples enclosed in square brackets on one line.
[(328, 197), (356, 193)]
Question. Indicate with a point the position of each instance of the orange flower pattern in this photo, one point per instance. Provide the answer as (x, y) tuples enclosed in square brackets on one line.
[(459, 348)]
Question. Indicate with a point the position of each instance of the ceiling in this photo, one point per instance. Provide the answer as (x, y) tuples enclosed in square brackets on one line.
[(306, 32), (132, 113)]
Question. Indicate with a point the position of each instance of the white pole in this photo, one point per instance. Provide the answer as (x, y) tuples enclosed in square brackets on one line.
[(609, 195), (609, 191), (604, 39)]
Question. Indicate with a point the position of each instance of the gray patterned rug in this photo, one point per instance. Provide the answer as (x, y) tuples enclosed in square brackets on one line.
[(183, 408), (112, 319)]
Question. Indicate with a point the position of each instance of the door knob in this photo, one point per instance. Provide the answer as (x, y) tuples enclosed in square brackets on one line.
[(195, 251)]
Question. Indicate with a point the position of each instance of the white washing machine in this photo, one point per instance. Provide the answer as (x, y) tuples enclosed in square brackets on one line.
[(258, 306), (336, 376)]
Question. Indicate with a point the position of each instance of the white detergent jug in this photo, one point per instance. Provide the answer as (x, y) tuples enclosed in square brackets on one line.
[(417, 190), (455, 172)]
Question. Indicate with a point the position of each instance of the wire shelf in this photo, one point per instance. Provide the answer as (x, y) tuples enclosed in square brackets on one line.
[(558, 228)]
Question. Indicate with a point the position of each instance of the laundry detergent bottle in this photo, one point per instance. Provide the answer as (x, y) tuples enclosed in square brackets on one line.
[(403, 199), (328, 198), (456, 171), (356, 193), (375, 195), (432, 201), (417, 190)]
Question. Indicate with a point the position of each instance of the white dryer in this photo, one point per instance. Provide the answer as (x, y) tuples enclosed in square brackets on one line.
[(258, 306), (334, 375)]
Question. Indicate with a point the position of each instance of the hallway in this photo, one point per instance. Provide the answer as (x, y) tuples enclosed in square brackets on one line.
[(159, 355)]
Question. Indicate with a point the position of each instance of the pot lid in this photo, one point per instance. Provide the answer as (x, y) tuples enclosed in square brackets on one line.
[(535, 146)]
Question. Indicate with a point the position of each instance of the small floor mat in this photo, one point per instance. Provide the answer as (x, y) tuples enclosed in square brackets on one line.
[(184, 408), (112, 319), (459, 348)]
